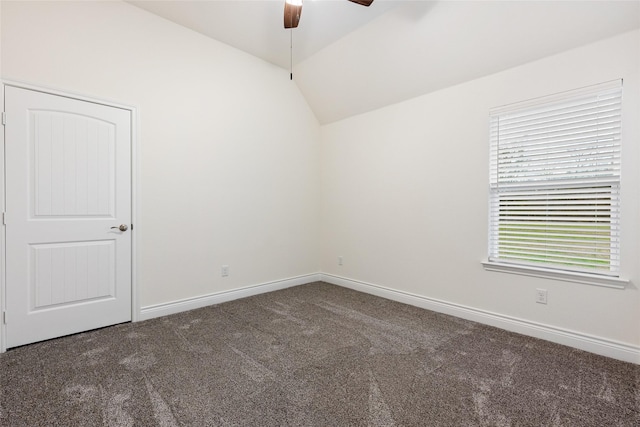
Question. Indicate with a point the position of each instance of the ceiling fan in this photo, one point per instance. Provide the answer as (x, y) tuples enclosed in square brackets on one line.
[(293, 10)]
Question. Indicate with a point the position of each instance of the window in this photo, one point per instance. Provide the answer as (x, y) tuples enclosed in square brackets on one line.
[(555, 182)]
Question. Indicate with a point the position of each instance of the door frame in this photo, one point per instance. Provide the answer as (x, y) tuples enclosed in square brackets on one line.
[(133, 112)]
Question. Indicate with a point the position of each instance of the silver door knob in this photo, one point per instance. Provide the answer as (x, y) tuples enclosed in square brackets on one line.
[(122, 227)]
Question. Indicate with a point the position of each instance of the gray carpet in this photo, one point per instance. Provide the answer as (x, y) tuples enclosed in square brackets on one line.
[(313, 355)]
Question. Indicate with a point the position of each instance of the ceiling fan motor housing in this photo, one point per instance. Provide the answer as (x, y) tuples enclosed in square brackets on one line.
[(293, 10)]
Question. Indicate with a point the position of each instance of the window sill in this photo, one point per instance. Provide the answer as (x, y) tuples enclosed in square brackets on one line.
[(566, 276)]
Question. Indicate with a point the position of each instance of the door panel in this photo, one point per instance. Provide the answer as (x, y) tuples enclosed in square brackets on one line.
[(68, 273), (68, 168), (73, 165)]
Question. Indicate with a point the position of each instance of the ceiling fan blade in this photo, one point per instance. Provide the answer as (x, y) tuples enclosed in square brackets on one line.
[(292, 14), (362, 2)]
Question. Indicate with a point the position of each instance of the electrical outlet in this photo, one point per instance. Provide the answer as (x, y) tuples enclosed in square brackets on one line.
[(339, 260), (224, 272), (541, 296)]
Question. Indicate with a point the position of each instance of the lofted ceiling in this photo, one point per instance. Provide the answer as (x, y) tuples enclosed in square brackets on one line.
[(349, 59), (256, 26)]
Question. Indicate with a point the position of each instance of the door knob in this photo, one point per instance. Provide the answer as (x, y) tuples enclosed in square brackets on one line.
[(122, 227)]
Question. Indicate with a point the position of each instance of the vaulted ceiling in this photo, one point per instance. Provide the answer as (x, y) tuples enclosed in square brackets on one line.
[(348, 59)]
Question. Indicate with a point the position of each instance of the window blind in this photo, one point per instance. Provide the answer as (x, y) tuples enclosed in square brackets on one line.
[(555, 181)]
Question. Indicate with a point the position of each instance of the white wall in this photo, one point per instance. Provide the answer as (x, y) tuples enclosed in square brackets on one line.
[(229, 168), (405, 190)]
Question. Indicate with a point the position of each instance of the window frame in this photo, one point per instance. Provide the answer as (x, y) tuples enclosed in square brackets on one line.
[(558, 271)]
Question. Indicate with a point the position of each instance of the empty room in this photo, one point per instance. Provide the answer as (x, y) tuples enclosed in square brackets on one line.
[(320, 213)]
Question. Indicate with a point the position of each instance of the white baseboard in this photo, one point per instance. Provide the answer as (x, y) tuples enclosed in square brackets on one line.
[(174, 307), (593, 344), (590, 343)]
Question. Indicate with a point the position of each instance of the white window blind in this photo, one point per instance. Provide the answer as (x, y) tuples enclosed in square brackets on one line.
[(555, 181)]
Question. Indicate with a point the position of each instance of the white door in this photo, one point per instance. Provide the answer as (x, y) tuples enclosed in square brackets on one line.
[(68, 184)]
